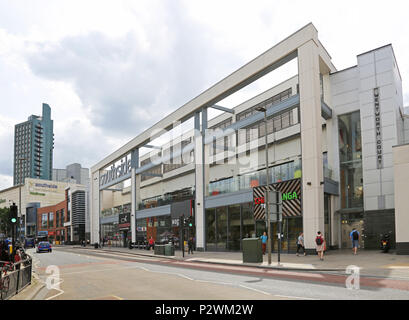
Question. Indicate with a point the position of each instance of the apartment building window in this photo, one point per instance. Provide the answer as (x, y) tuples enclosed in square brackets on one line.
[(62, 217), (51, 219), (57, 220), (44, 220)]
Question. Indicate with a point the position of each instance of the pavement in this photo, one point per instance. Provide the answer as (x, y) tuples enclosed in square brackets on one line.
[(370, 262)]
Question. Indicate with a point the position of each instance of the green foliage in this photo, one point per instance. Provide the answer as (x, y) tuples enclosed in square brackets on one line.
[(4, 221)]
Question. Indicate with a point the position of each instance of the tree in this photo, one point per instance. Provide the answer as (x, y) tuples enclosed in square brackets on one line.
[(4, 221)]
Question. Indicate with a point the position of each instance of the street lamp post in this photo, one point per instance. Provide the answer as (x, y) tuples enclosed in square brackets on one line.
[(267, 209), (19, 204)]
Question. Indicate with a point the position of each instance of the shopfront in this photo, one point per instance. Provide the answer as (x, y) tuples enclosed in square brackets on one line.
[(226, 226)]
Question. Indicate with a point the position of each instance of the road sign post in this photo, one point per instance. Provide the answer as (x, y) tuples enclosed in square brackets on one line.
[(276, 215)]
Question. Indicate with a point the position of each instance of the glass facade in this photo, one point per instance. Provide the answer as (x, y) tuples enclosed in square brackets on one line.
[(282, 172), (227, 226), (350, 156)]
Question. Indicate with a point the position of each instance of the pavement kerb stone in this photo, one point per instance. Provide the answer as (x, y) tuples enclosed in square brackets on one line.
[(223, 263)]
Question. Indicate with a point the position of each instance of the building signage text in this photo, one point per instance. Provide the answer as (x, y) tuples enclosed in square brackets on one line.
[(378, 130), (116, 172), (284, 197)]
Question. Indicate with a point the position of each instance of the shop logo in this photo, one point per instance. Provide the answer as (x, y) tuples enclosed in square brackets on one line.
[(116, 172), (284, 197)]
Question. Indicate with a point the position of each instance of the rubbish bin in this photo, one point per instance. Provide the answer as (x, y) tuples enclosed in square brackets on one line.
[(96, 245), (252, 250), (159, 249), (169, 250)]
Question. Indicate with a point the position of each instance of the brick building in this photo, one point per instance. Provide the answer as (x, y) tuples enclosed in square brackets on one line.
[(52, 219)]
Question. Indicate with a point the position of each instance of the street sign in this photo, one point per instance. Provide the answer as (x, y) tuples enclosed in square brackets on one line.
[(274, 217)]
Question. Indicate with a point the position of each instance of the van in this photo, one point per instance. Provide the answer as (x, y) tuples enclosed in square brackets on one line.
[(29, 243)]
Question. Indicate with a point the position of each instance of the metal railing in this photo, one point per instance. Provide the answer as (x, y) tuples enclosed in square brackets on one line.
[(14, 277)]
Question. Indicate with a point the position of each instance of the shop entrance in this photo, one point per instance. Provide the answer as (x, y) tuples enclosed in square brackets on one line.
[(347, 224)]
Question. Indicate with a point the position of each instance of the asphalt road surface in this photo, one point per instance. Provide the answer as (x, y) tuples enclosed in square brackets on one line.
[(75, 274)]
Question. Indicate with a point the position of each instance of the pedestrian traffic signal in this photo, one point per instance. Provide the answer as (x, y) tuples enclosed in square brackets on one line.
[(13, 213)]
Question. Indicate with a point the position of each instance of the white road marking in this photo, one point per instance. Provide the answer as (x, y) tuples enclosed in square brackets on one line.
[(293, 297), (263, 292)]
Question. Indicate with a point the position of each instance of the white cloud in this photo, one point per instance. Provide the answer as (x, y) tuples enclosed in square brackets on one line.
[(109, 69)]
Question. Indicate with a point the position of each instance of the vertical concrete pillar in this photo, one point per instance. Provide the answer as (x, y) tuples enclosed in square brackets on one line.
[(311, 131), (135, 187), (94, 207), (201, 177)]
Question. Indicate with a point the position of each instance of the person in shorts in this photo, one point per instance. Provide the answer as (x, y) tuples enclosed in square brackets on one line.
[(354, 235)]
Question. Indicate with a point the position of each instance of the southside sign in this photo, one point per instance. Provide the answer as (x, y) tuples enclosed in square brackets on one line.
[(116, 172)]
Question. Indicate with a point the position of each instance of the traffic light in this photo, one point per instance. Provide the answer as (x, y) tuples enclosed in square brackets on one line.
[(190, 222), (13, 213)]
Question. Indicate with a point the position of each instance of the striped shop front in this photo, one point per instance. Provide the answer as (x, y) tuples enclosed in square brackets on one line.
[(291, 195)]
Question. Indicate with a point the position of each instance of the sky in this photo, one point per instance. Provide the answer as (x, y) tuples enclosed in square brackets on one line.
[(111, 69)]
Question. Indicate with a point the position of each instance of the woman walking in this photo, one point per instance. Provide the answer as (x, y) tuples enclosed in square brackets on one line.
[(320, 245)]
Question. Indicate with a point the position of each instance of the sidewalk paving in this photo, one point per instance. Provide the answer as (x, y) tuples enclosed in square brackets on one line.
[(371, 262)]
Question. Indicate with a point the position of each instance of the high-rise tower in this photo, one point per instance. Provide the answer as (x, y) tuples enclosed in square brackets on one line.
[(33, 147)]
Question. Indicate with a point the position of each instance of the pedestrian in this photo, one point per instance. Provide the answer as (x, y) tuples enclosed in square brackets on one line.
[(300, 243), (17, 258), (264, 242), (103, 242), (354, 235), (190, 245), (320, 245), (151, 243)]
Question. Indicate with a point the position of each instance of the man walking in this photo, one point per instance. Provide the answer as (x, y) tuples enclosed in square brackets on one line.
[(264, 242), (354, 235), (300, 243)]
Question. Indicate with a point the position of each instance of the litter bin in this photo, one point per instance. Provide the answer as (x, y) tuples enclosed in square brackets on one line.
[(169, 250), (252, 250), (96, 245), (159, 249)]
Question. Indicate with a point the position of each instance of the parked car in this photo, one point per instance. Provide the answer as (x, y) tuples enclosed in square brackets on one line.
[(29, 243), (44, 246)]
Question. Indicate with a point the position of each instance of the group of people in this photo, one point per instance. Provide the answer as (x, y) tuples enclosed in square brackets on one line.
[(6, 256), (320, 243)]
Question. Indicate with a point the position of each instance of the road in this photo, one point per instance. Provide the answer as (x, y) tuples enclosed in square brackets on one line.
[(77, 274)]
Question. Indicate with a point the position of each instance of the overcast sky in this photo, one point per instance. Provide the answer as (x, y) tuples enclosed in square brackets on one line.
[(110, 69)]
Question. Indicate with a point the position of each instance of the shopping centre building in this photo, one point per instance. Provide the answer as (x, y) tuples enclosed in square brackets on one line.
[(335, 141), (33, 195)]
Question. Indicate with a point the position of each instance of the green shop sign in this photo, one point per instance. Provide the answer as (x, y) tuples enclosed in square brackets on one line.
[(37, 194), (289, 196)]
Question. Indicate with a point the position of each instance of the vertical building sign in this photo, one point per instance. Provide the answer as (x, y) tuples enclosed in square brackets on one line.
[(378, 130)]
